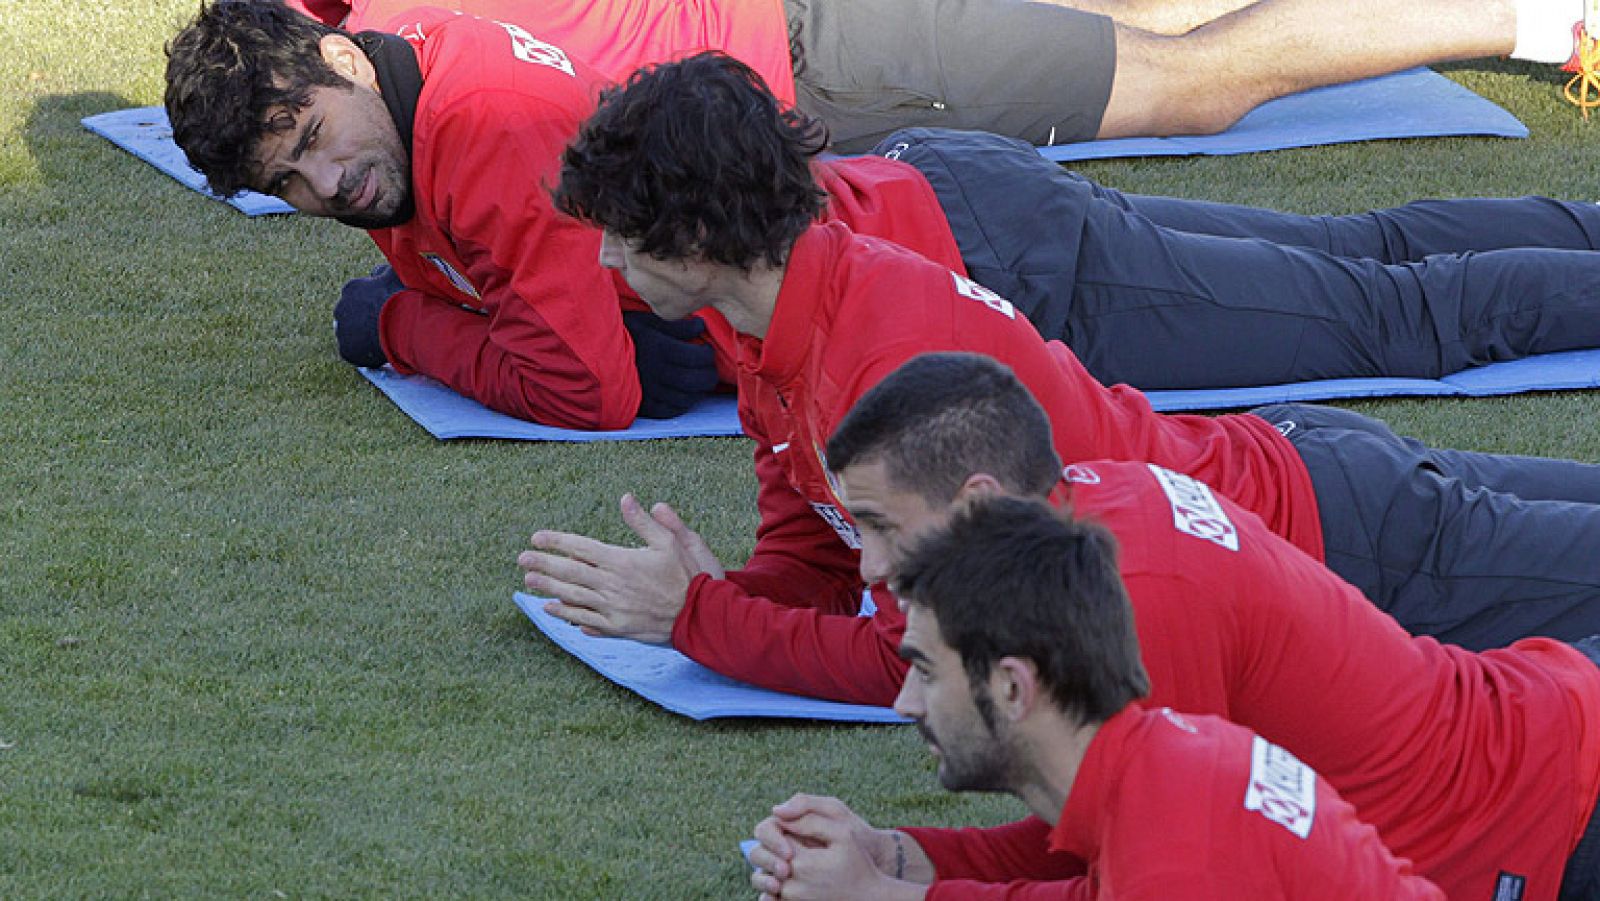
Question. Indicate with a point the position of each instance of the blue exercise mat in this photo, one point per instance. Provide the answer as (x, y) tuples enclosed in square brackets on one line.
[(1546, 372), (146, 133), (446, 414), (1418, 103), (666, 677)]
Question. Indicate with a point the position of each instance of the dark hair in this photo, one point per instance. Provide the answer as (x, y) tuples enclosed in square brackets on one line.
[(1011, 578), (696, 157), (939, 418), (226, 69)]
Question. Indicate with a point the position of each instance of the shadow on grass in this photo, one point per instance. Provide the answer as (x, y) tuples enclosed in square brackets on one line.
[(1532, 71), (55, 136)]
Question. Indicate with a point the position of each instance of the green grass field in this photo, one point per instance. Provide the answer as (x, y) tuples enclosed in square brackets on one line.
[(256, 634)]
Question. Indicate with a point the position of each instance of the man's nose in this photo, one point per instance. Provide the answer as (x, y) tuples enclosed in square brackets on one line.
[(874, 563), (322, 178), (908, 703)]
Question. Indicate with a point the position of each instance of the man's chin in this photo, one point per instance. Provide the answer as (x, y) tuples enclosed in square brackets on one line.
[(969, 778), (367, 221), (951, 781), (372, 219), (383, 214)]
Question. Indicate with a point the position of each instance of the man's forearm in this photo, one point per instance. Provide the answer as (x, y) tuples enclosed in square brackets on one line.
[(797, 650), (1019, 850), (542, 382)]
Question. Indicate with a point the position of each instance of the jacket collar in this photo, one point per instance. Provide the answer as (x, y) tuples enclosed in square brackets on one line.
[(779, 359), (400, 84)]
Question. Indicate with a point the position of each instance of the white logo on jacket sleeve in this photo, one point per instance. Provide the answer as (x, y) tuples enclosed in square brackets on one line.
[(530, 49), (1282, 789), (1176, 719), (1082, 475), (966, 287), (1195, 510), (844, 527)]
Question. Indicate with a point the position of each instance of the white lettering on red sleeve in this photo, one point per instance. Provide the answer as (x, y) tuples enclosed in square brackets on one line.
[(530, 49), (966, 287), (1195, 510), (1281, 788), (1176, 719), (1082, 475), (842, 526)]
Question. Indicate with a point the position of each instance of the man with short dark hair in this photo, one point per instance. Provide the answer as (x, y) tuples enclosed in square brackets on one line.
[(1024, 673), (1234, 622), (1414, 531)]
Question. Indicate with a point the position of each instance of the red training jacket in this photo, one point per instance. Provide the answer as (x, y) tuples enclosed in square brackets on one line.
[(507, 302), (1172, 806)]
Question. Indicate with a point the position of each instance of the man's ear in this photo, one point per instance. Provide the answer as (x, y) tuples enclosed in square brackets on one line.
[(345, 57), (1014, 687), (979, 485)]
